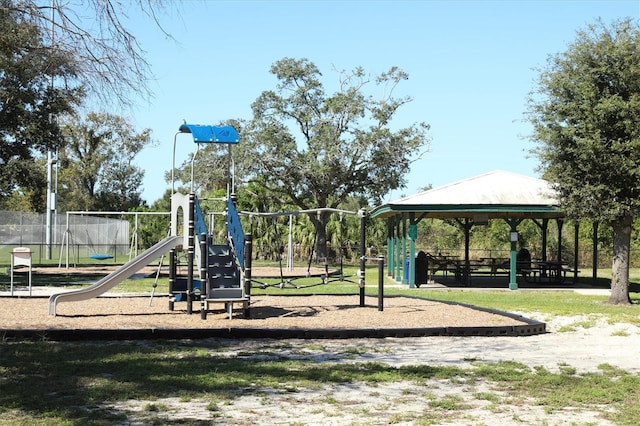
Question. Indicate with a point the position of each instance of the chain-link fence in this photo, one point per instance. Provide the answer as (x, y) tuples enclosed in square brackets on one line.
[(75, 235)]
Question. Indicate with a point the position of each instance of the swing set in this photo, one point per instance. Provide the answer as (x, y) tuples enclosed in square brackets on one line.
[(95, 255), (100, 232), (287, 280)]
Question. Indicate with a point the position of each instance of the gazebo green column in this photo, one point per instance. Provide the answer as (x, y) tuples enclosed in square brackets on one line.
[(513, 238), (545, 238), (412, 233), (466, 226), (594, 271), (405, 278), (390, 247), (560, 224), (576, 240), (398, 245)]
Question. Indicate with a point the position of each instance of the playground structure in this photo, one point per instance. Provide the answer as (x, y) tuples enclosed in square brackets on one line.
[(224, 268), (221, 266)]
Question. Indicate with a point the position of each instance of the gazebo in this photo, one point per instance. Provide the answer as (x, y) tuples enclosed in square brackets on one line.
[(472, 201)]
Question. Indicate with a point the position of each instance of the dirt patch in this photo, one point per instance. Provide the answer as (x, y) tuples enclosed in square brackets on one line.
[(282, 312)]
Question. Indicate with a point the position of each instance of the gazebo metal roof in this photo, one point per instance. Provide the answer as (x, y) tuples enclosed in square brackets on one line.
[(497, 194)]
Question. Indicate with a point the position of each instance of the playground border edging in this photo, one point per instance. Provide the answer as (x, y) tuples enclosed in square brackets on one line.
[(528, 329)]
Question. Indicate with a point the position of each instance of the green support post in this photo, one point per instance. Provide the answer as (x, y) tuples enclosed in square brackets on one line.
[(513, 279), (397, 275), (513, 238), (390, 247), (413, 236), (405, 278)]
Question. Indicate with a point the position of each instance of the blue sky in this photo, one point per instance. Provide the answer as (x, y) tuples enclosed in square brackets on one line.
[(471, 65)]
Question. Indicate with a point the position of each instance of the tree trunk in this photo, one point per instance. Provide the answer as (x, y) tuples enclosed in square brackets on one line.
[(620, 267), (320, 224)]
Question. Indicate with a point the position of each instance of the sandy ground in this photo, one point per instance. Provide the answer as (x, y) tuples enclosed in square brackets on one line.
[(302, 312), (566, 339), (567, 343), (111, 311), (410, 403)]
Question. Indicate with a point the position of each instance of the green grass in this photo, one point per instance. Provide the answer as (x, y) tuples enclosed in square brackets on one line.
[(72, 383), (76, 382)]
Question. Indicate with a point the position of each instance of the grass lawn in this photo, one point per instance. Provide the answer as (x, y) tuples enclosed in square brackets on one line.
[(73, 383)]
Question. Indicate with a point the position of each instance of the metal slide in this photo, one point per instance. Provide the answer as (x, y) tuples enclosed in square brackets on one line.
[(117, 276)]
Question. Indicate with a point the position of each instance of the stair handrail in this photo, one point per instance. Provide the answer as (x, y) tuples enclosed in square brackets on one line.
[(235, 232), (200, 225)]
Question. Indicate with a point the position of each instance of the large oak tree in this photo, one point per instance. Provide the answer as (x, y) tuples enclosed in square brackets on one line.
[(585, 113), (314, 150)]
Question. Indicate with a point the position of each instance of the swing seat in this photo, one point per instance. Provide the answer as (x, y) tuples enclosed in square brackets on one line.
[(101, 256)]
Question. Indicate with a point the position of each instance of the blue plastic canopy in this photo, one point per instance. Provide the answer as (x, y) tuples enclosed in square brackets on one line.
[(211, 134)]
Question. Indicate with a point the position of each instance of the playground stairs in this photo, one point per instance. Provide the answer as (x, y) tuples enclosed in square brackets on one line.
[(224, 284), (223, 272)]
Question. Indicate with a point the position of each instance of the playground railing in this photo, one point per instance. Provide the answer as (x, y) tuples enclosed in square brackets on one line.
[(236, 234)]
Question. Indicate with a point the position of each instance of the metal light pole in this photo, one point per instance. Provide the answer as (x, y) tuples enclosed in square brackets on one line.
[(363, 254), (50, 160), (51, 203)]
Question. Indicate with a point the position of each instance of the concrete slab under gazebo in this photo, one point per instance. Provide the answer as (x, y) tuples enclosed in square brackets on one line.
[(476, 200)]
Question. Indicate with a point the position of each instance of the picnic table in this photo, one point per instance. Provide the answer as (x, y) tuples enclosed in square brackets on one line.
[(534, 270), (550, 271)]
